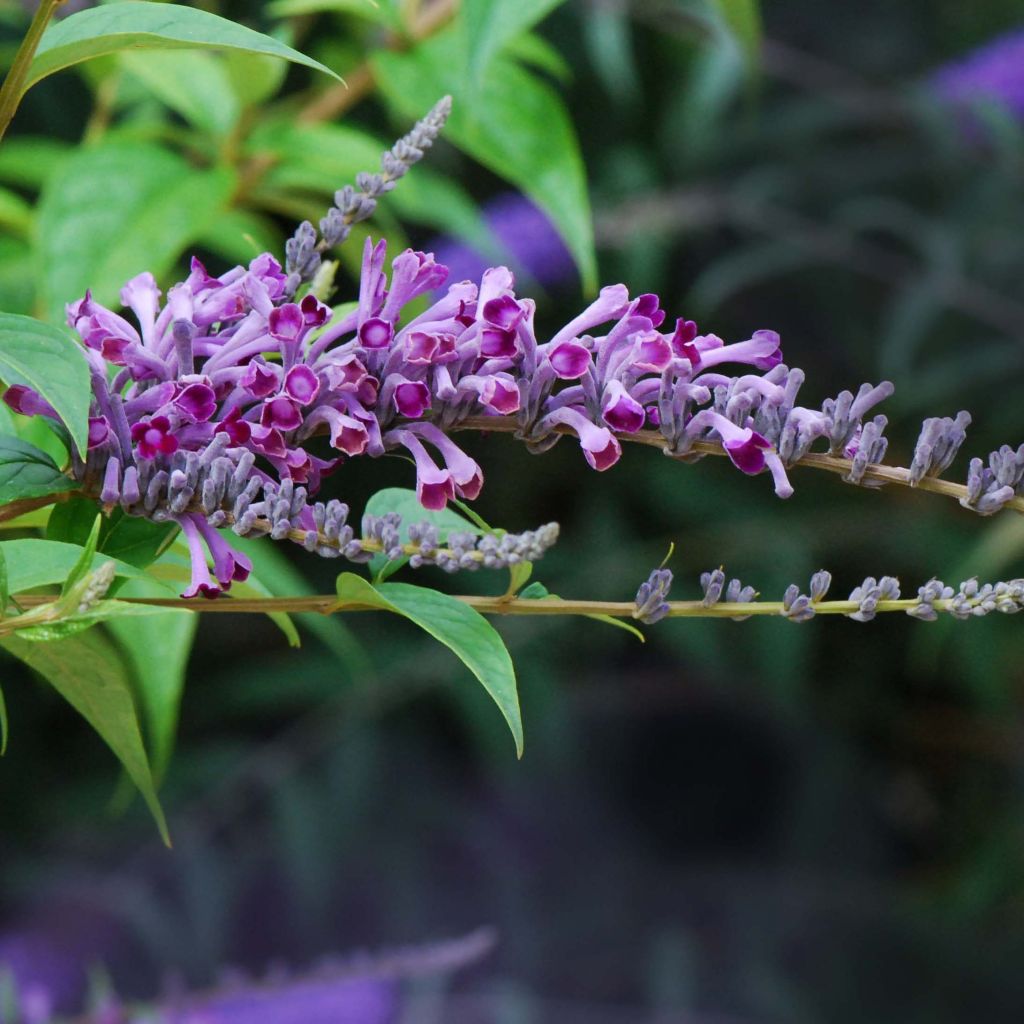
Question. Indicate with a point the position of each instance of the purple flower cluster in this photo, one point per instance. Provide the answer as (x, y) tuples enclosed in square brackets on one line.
[(202, 402), (993, 72)]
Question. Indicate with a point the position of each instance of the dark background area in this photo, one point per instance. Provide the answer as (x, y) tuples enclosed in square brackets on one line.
[(737, 822)]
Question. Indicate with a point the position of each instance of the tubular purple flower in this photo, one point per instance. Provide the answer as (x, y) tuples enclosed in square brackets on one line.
[(600, 448), (142, 296), (202, 584), (434, 486), (761, 350), (229, 566), (744, 446), (611, 303), (27, 402), (621, 411), (569, 359), (465, 472)]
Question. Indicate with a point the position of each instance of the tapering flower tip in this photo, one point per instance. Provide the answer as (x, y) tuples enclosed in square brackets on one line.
[(777, 468), (651, 603), (153, 437), (570, 360), (183, 332), (99, 431), (620, 410), (27, 402)]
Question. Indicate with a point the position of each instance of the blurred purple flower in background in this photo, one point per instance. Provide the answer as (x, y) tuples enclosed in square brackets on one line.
[(528, 236), (344, 1001), (992, 72)]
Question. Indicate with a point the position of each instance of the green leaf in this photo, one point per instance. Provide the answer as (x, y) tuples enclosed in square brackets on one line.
[(28, 161), (254, 78), (196, 85), (85, 559), (511, 122), (158, 649), (381, 12), (89, 674), (50, 360), (32, 562), (239, 235), (5, 587), (491, 24), (127, 538), (407, 505), (15, 213), (175, 565), (459, 627), (536, 591), (84, 240), (518, 575), (280, 578), (136, 25), (743, 19), (26, 472), (75, 622)]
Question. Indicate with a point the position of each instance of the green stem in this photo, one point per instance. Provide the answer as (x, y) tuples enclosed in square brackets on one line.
[(327, 604), (13, 88)]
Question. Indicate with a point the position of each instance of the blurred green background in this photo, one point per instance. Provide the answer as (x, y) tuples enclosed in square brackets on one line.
[(749, 822)]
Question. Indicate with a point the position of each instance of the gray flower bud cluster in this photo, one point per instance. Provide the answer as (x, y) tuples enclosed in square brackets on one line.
[(870, 592), (990, 487), (937, 445), (467, 550), (971, 600), (353, 204), (651, 598), (799, 607), (715, 588)]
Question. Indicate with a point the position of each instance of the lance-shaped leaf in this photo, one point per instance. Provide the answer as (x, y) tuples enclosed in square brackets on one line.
[(158, 647), (510, 121), (26, 472), (50, 360), (32, 562), (137, 25), (84, 240), (88, 672), (462, 629)]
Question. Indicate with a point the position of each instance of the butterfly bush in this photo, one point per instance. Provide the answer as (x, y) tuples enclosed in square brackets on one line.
[(228, 401)]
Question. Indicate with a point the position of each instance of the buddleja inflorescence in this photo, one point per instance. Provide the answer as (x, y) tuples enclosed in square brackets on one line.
[(227, 403)]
